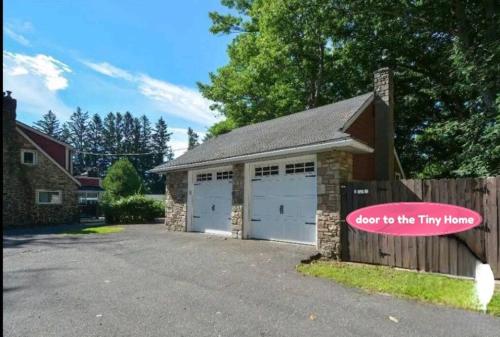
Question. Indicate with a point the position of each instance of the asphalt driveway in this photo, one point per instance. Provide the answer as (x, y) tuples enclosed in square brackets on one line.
[(146, 281)]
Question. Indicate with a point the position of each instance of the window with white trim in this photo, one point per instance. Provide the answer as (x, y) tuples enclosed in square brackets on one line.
[(204, 177), (46, 197), (224, 175), (28, 157), (85, 197), (267, 170), (299, 168)]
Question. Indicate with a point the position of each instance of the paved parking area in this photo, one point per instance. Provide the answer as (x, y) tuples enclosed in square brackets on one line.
[(146, 281)]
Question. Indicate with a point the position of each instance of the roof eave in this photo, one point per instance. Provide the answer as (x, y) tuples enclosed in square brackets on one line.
[(40, 133), (347, 144), (358, 112), (32, 142)]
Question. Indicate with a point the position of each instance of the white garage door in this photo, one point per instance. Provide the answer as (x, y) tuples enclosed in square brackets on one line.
[(283, 201), (212, 200)]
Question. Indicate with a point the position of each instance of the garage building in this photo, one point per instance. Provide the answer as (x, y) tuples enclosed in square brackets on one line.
[(280, 179)]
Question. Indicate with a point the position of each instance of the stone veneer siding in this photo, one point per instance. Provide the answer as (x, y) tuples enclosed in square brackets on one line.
[(334, 167), (20, 183), (176, 200), (237, 209)]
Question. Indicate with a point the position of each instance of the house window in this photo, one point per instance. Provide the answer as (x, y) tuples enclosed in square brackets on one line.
[(88, 197), (45, 197), (267, 171), (204, 177), (225, 175), (28, 157), (299, 168)]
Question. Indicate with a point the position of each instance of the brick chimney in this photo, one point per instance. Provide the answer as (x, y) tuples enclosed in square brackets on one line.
[(384, 124), (8, 112)]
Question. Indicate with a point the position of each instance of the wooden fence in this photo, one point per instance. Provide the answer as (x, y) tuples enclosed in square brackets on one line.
[(450, 254)]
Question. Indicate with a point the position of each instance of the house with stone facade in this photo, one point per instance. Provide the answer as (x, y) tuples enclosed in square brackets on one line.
[(38, 185), (280, 179)]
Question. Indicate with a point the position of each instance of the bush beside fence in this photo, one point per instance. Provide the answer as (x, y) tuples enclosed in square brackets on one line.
[(133, 209)]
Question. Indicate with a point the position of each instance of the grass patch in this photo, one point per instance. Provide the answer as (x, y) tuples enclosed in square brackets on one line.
[(431, 288), (96, 230)]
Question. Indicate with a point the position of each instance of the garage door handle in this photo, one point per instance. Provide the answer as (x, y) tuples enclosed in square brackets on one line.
[(310, 176), (213, 208), (255, 220), (282, 209), (310, 223), (196, 216)]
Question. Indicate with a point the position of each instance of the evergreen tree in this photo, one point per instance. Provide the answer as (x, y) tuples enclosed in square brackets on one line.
[(161, 153), (78, 136), (145, 146), (135, 146), (109, 136), (96, 144), (192, 139), (122, 180), (49, 124), (119, 134), (128, 127), (65, 133)]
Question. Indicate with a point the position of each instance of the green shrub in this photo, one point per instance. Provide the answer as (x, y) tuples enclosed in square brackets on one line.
[(133, 209), (122, 180)]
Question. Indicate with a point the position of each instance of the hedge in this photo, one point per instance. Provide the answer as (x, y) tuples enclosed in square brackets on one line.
[(133, 209)]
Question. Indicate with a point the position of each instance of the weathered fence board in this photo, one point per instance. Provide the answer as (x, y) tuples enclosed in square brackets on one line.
[(450, 254)]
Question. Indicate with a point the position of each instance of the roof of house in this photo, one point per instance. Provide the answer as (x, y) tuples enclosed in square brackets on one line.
[(314, 126), (21, 131), (89, 181), (40, 133)]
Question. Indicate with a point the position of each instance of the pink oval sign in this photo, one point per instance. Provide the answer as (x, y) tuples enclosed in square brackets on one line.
[(414, 219)]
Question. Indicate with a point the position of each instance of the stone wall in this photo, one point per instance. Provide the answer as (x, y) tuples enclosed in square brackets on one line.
[(20, 183), (334, 167), (237, 208), (176, 201)]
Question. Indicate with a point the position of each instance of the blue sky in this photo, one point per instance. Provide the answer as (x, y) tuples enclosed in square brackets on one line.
[(139, 56)]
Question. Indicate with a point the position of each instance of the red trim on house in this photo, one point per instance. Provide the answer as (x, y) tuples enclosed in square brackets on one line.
[(89, 181), (54, 149)]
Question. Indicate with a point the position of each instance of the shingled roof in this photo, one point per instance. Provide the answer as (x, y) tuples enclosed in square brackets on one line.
[(314, 126)]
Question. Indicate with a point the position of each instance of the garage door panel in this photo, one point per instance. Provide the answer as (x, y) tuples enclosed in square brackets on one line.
[(296, 194), (212, 204)]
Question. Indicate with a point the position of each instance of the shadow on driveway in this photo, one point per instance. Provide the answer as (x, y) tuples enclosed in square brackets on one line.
[(17, 237)]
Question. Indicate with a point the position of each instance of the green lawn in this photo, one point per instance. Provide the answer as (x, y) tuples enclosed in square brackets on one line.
[(96, 230), (425, 287)]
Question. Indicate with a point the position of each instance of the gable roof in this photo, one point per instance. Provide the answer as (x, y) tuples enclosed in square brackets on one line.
[(32, 142), (322, 125), (40, 133)]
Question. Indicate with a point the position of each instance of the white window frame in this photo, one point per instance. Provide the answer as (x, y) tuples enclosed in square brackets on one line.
[(85, 196), (48, 203), (35, 157)]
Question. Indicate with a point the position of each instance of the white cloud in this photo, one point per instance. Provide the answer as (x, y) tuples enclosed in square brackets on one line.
[(169, 98), (35, 82), (109, 70), (177, 100), (44, 66), (19, 38)]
